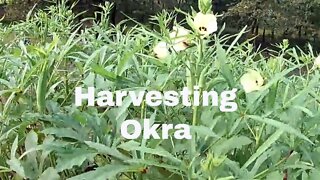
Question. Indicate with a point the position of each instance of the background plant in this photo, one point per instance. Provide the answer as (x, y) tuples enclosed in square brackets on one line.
[(273, 133)]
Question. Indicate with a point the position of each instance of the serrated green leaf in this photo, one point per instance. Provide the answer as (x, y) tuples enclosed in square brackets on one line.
[(101, 148), (275, 175), (281, 126), (16, 166), (49, 174), (225, 145), (14, 148), (112, 76), (31, 164), (134, 146), (266, 145), (74, 158), (224, 67), (64, 132), (31, 142), (203, 131), (14, 163), (105, 172)]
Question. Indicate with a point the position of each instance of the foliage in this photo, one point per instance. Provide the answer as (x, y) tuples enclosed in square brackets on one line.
[(44, 136), (295, 17)]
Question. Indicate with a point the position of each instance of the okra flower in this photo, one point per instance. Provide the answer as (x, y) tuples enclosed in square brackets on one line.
[(205, 24), (161, 50), (251, 81), (179, 38), (317, 62)]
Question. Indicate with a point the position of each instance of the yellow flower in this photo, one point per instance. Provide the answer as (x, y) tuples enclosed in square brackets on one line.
[(317, 62), (161, 50), (179, 37), (251, 81), (205, 24)]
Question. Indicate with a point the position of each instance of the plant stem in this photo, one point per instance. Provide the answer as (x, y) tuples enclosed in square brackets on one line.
[(196, 79), (264, 173), (195, 113)]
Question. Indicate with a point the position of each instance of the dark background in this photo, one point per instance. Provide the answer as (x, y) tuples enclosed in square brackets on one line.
[(269, 20)]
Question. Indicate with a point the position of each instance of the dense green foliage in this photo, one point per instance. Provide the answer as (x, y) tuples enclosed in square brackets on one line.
[(296, 18), (271, 20), (273, 134)]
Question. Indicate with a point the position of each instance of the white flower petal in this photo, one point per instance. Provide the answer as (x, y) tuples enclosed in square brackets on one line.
[(161, 50), (251, 81), (180, 46), (212, 27), (179, 32), (317, 62), (179, 38), (205, 24)]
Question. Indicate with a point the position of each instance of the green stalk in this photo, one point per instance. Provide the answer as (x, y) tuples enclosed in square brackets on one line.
[(198, 79), (143, 116), (198, 73), (66, 80), (264, 173), (260, 134), (42, 87)]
